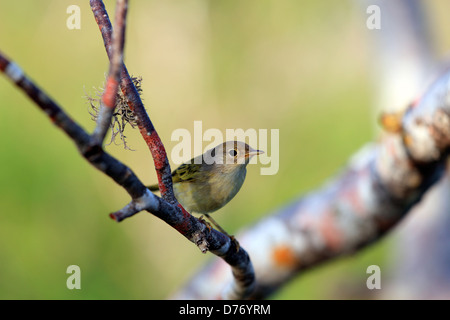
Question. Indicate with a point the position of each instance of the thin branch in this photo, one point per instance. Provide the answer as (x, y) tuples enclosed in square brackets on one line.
[(94, 154), (142, 199), (189, 226), (108, 100), (145, 125)]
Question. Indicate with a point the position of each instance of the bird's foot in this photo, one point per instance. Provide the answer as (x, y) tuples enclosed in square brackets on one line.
[(206, 223)]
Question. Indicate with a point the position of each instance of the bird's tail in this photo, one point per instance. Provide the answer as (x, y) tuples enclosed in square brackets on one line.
[(153, 187)]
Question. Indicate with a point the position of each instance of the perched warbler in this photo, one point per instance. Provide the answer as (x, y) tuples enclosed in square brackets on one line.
[(209, 181)]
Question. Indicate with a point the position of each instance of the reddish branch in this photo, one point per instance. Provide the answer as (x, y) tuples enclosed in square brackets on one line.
[(165, 208), (186, 224), (145, 125), (108, 101)]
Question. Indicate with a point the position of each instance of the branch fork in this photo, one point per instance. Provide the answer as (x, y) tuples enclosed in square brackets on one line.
[(167, 207)]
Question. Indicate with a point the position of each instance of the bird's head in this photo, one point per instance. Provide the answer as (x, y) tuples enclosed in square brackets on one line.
[(233, 153)]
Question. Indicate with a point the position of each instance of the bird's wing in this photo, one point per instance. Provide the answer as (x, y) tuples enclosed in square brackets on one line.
[(186, 172)]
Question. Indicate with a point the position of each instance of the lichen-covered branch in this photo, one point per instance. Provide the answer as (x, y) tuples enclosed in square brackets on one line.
[(90, 146), (214, 241), (93, 153), (108, 100), (145, 125)]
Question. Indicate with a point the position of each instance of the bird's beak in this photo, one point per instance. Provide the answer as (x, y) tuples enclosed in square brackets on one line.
[(253, 152)]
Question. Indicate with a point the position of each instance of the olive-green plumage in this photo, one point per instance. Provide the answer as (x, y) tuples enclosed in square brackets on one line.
[(208, 182)]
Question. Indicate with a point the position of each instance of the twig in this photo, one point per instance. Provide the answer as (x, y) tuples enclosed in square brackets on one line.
[(93, 153), (108, 100), (185, 223), (145, 125), (142, 198), (243, 281), (166, 209)]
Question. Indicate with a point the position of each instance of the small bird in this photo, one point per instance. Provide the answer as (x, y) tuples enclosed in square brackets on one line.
[(209, 181)]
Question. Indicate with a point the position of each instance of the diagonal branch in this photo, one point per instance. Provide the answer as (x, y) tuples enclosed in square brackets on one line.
[(242, 269), (145, 125), (142, 198), (93, 153), (166, 208), (108, 100)]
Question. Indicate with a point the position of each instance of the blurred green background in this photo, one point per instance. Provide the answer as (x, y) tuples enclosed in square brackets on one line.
[(302, 67)]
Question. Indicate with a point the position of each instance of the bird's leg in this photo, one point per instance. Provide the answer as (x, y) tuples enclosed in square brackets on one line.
[(232, 238), (216, 224), (206, 223)]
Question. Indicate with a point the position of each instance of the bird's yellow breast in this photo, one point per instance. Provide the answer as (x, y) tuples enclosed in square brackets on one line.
[(210, 193)]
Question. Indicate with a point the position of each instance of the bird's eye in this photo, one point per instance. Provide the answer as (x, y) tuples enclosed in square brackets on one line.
[(232, 153)]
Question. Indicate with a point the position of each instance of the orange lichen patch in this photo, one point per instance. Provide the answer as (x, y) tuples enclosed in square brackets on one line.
[(284, 256), (391, 122), (330, 232), (408, 140)]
